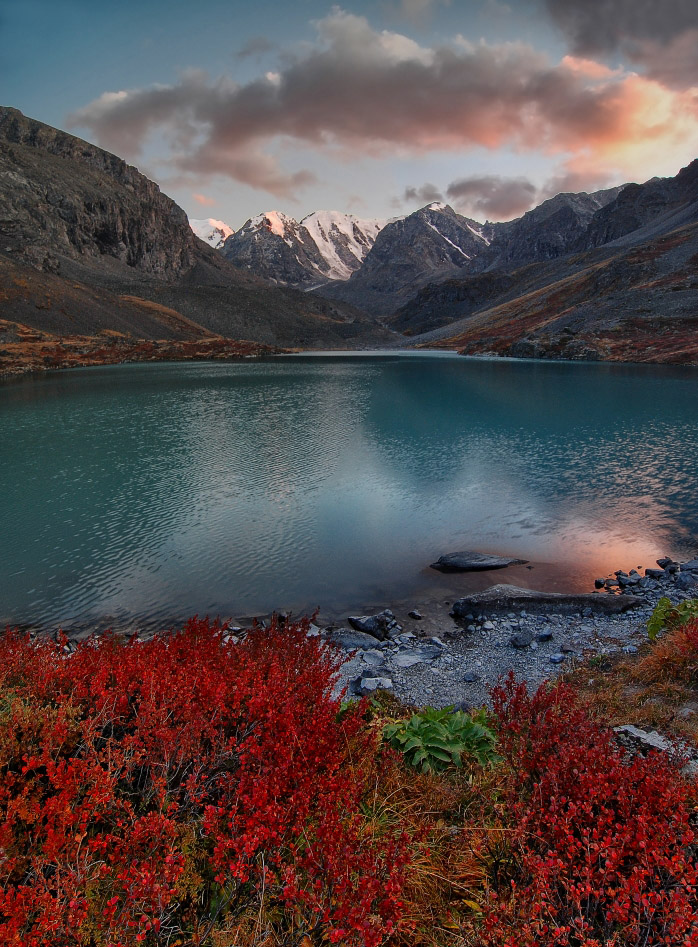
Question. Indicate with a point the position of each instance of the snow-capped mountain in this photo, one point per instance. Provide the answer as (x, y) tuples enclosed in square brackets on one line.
[(211, 231), (431, 244), (342, 239), (325, 245)]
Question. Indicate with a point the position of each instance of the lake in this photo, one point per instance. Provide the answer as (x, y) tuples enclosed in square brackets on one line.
[(164, 490)]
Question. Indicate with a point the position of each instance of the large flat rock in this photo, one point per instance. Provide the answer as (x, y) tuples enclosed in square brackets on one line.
[(510, 597), (473, 562)]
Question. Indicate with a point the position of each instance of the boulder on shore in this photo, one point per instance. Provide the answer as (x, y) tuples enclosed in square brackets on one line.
[(510, 597), (352, 640), (473, 562), (380, 626)]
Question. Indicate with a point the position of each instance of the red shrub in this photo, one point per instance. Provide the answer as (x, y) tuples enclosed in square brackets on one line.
[(151, 789), (606, 849)]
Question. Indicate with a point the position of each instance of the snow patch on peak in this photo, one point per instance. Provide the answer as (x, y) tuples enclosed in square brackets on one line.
[(213, 232), (436, 205), (478, 233), (342, 239), (273, 220)]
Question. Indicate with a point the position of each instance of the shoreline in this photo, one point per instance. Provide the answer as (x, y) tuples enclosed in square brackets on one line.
[(428, 656), (37, 356)]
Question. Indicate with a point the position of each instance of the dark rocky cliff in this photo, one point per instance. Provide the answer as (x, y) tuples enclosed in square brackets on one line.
[(69, 198)]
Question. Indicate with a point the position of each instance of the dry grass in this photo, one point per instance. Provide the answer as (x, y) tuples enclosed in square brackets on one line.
[(658, 688)]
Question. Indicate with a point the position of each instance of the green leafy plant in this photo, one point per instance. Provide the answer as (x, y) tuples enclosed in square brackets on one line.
[(666, 615), (435, 739)]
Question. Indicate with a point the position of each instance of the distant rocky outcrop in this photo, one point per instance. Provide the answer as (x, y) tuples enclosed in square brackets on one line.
[(632, 298), (551, 230)]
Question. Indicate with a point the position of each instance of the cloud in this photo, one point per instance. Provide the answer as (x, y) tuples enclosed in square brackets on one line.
[(203, 200), (573, 181), (661, 36), (417, 10), (256, 46), (362, 92), (425, 194), (492, 196)]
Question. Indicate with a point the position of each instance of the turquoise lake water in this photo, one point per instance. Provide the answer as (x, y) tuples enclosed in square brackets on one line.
[(166, 490)]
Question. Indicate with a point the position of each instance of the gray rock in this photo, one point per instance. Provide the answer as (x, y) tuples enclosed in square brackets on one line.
[(373, 657), (557, 658), (379, 625), (506, 597), (351, 640), (691, 566), (473, 562), (370, 685), (664, 562), (407, 659), (431, 651), (655, 573), (470, 677), (643, 740), (415, 614), (522, 640), (544, 636), (686, 581), (406, 638)]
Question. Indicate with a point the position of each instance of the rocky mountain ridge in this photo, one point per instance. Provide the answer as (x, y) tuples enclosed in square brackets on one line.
[(325, 245)]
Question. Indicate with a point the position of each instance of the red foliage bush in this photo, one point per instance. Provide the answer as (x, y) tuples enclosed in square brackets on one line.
[(606, 851), (151, 790)]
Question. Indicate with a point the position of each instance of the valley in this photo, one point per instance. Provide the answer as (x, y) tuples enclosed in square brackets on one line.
[(91, 249)]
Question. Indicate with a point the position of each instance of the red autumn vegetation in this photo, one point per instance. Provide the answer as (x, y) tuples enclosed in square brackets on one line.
[(152, 791), (192, 791), (603, 852)]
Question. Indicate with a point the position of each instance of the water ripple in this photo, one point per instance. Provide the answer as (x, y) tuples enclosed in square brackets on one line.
[(164, 490)]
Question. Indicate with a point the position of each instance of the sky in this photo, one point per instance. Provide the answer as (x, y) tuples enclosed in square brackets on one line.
[(372, 108)]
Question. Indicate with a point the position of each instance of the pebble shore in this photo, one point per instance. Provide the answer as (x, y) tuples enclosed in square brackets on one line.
[(425, 656)]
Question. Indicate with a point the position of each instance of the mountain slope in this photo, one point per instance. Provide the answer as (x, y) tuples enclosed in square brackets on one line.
[(636, 304), (638, 285), (107, 236), (550, 230)]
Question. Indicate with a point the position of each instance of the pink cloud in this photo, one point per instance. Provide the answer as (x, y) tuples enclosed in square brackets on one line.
[(361, 91)]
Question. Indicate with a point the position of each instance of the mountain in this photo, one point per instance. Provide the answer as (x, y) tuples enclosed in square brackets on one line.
[(342, 239), (326, 245), (550, 230), (89, 244), (211, 231), (655, 207), (430, 244), (632, 297)]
